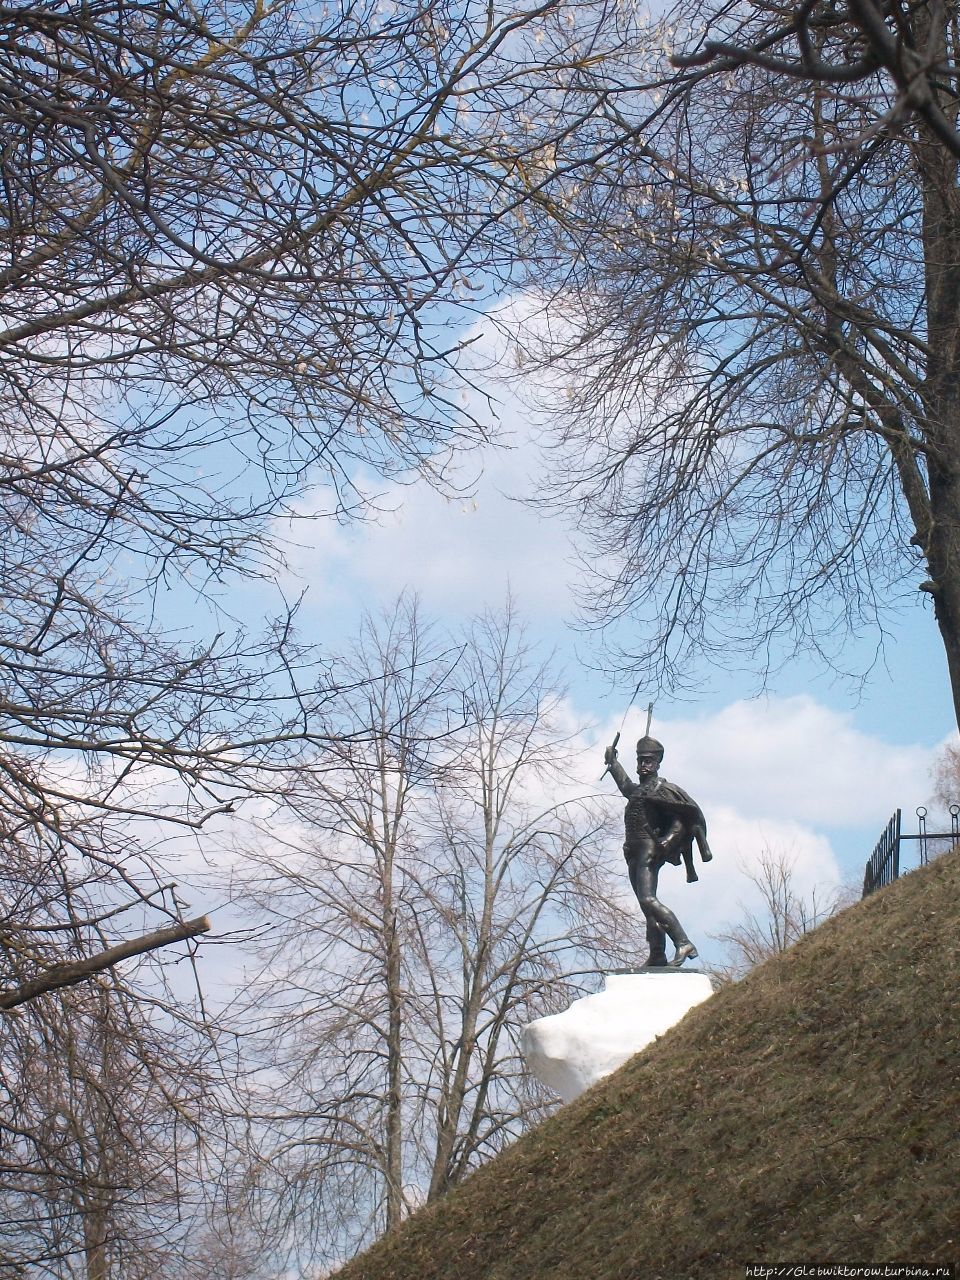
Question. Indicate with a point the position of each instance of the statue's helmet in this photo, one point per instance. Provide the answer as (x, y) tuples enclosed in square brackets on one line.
[(650, 747)]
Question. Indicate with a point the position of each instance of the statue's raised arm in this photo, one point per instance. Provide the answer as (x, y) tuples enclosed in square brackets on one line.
[(617, 771)]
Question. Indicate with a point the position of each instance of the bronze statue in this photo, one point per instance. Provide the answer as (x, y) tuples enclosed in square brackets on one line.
[(661, 823)]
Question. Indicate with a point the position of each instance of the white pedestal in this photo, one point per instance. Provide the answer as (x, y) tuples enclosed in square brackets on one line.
[(571, 1051)]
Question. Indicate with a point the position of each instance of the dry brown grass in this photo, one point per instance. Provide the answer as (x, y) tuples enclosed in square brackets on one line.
[(808, 1114)]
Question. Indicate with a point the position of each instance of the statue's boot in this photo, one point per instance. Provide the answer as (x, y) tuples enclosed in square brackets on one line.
[(656, 960), (685, 951)]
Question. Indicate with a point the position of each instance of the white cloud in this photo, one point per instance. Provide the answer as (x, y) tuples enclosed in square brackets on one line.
[(458, 553), (788, 758), (724, 888), (783, 774)]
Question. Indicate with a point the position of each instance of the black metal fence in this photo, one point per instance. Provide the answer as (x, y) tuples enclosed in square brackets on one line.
[(883, 865)]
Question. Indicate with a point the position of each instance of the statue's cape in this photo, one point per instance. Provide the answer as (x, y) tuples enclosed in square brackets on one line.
[(670, 802), (676, 802)]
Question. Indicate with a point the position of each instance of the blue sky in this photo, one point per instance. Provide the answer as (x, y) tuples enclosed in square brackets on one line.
[(814, 765)]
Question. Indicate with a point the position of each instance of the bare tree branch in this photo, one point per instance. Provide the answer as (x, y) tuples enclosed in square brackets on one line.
[(68, 975), (863, 38)]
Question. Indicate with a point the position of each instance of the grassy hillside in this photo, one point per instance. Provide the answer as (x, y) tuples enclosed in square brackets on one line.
[(809, 1114)]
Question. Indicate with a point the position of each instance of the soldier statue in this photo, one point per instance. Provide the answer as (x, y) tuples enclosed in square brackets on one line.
[(661, 825)]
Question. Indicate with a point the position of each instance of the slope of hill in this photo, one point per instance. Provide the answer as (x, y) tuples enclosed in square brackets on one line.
[(807, 1115)]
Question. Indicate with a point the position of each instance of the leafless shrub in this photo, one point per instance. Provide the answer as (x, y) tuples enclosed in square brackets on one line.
[(782, 916)]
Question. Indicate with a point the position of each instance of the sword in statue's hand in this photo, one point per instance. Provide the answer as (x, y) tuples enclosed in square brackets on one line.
[(613, 748)]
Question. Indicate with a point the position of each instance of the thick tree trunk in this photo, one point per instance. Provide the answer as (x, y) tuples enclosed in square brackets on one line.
[(95, 1242), (394, 1125), (943, 560), (451, 1110), (933, 499), (941, 393)]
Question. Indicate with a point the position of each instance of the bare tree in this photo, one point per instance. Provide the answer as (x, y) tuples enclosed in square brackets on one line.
[(237, 242), (252, 227), (781, 918), (112, 1123), (438, 894), (758, 422)]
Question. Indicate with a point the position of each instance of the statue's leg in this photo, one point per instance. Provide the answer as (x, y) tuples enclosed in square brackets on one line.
[(656, 938), (645, 887), (657, 945)]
